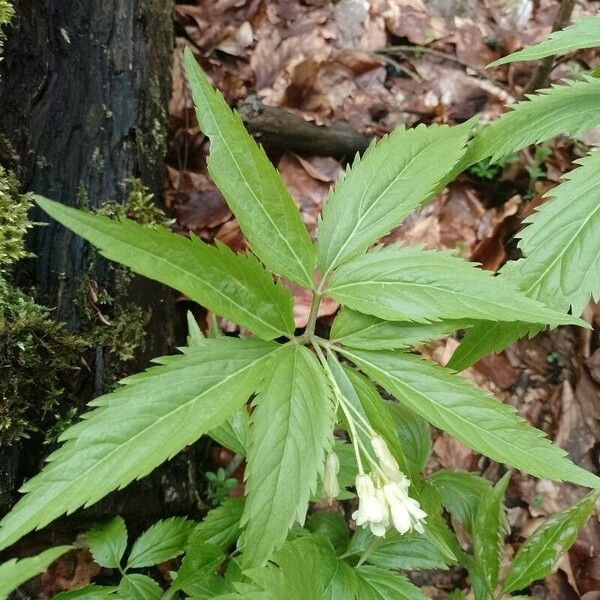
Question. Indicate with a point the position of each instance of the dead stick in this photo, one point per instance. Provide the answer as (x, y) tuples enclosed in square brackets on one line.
[(540, 75), (279, 129)]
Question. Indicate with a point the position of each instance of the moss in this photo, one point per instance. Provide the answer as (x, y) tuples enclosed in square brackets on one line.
[(37, 354), (139, 206), (14, 221)]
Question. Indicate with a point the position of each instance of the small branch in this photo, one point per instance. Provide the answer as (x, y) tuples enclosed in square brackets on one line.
[(539, 78)]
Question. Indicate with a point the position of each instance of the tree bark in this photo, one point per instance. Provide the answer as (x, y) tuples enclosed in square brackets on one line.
[(85, 86)]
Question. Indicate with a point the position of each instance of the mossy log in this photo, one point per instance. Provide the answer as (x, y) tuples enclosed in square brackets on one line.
[(84, 87)]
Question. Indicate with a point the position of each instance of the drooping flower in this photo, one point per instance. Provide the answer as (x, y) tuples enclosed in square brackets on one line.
[(387, 462), (372, 506), (331, 488), (406, 513)]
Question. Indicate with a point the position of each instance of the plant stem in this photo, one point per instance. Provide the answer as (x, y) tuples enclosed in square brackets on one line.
[(542, 71), (312, 317)]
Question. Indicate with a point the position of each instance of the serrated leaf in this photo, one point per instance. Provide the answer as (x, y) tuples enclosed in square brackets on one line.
[(397, 552), (391, 179), (331, 525), (301, 570), (358, 330), (233, 433), (198, 566), (584, 33), (195, 336), (560, 267), (15, 572), (460, 493), (291, 428), (469, 414), (485, 337), (415, 437), (221, 526), (233, 286), (151, 418), (379, 584), (489, 530), (251, 185), (569, 109), (139, 587), (162, 541), (537, 556), (107, 542), (412, 284), (88, 592)]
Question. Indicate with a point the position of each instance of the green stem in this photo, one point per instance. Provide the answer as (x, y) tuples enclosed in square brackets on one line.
[(312, 317)]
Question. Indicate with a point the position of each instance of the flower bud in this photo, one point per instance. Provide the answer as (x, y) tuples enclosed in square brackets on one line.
[(331, 488)]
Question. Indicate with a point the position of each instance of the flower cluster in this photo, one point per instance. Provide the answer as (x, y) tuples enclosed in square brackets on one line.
[(383, 496)]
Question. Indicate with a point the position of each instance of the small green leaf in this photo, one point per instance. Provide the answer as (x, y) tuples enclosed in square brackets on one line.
[(234, 286), (468, 413), (584, 33), (251, 185), (569, 109), (15, 572), (537, 556), (398, 552), (291, 428), (367, 332), (460, 493), (139, 587), (198, 566), (131, 431), (162, 541), (379, 584), (234, 432), (195, 336), (415, 437), (489, 530), (412, 284), (221, 526), (88, 592), (391, 179), (331, 525), (107, 542)]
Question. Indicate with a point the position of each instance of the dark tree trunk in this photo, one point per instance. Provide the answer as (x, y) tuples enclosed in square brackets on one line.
[(85, 86)]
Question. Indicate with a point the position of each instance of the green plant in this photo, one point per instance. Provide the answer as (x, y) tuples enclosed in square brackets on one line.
[(309, 394)]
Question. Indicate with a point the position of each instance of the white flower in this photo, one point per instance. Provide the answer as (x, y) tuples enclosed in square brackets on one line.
[(331, 487), (405, 511), (387, 462), (372, 506)]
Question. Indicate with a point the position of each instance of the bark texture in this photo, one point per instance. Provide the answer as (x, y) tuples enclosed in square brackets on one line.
[(84, 92)]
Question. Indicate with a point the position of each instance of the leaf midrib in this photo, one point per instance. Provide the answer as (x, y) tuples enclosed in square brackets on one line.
[(249, 187), (124, 245), (490, 433)]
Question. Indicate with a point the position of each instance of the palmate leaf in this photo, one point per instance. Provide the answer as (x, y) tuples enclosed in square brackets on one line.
[(251, 185), (236, 287), (130, 432), (358, 330), (569, 109), (139, 587), (412, 284), (15, 572), (380, 584), (560, 245), (391, 179), (584, 33), (469, 414), (291, 428), (537, 556)]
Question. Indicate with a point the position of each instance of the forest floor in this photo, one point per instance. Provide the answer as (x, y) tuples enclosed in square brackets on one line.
[(375, 65)]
